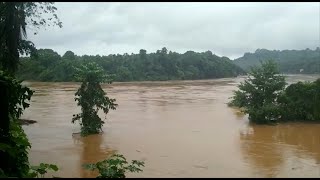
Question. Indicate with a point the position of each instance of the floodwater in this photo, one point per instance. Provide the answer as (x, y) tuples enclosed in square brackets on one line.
[(178, 128)]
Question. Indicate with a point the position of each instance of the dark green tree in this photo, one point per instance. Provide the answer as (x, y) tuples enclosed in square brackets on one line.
[(301, 102), (258, 94), (91, 98), (14, 16), (69, 55)]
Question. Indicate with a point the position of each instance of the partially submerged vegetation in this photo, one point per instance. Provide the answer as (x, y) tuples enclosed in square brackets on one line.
[(115, 167), (91, 98), (264, 97), (301, 102)]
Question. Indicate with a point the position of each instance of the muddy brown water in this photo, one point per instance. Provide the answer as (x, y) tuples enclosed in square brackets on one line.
[(179, 128)]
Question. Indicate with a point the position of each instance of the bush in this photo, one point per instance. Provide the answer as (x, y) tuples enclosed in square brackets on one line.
[(115, 167), (301, 102)]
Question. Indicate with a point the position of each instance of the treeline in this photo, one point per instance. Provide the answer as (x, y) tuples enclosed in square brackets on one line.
[(161, 65), (289, 61)]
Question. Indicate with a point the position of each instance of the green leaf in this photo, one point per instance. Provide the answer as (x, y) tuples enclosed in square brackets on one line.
[(54, 167)]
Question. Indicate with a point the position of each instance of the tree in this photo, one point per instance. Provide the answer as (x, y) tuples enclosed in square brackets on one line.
[(143, 53), (91, 98), (301, 102), (69, 55), (258, 94), (14, 17)]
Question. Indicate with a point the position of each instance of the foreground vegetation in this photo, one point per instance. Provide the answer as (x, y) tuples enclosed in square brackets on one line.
[(265, 98), (115, 167), (161, 65)]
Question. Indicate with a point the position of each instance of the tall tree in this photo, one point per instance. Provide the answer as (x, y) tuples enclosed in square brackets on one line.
[(14, 17), (259, 93), (91, 98)]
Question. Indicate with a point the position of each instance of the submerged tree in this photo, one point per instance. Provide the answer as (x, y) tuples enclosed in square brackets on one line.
[(301, 102), (258, 94), (91, 98)]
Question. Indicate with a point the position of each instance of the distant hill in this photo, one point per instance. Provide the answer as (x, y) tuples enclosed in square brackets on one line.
[(290, 61)]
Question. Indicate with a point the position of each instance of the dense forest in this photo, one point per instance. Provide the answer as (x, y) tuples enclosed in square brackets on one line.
[(161, 65), (289, 61)]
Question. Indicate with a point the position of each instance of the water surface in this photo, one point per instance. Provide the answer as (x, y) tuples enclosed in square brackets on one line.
[(179, 128)]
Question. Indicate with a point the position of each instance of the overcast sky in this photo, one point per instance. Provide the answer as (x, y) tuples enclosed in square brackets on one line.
[(227, 29)]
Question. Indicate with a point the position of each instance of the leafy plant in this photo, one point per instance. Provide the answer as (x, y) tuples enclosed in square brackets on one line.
[(115, 167), (15, 146), (42, 169), (301, 101), (14, 18), (258, 95), (91, 98)]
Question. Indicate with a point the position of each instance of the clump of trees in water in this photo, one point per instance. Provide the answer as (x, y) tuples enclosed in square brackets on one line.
[(91, 98), (14, 144), (161, 65), (301, 101), (264, 97)]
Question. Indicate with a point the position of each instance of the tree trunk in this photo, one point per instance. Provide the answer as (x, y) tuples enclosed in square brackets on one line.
[(4, 126)]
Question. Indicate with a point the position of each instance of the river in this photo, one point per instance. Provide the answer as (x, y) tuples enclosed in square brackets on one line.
[(178, 128)]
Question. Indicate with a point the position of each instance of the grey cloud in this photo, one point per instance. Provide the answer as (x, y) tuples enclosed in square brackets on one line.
[(226, 29)]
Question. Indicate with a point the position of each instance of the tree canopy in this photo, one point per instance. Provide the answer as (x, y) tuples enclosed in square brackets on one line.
[(161, 65), (259, 93)]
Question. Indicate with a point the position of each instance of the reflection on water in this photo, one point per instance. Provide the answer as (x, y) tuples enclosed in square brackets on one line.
[(179, 128), (274, 150), (93, 151)]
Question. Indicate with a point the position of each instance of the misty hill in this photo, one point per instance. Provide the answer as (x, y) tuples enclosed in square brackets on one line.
[(290, 61), (161, 65)]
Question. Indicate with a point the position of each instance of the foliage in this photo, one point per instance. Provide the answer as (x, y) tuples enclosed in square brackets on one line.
[(14, 17), (17, 145), (301, 102), (19, 95), (259, 93), (91, 98), (115, 167), (17, 150), (289, 61), (41, 170), (162, 65)]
